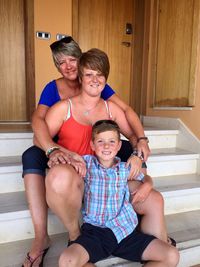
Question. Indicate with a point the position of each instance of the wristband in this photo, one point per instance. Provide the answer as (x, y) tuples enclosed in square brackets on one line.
[(135, 153), (50, 150), (143, 138)]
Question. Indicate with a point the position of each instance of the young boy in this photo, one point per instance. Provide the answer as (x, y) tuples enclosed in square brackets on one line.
[(110, 222)]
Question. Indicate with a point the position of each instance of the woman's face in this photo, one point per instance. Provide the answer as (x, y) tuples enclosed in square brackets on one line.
[(93, 82), (68, 67)]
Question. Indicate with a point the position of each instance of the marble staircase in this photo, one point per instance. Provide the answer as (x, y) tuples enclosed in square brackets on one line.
[(174, 165)]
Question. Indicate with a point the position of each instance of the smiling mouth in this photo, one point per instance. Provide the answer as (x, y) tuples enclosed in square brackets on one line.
[(106, 152)]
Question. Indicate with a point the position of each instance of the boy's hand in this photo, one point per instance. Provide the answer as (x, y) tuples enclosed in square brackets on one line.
[(136, 165)]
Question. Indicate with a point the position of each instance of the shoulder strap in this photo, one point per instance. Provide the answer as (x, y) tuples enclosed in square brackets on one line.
[(69, 109), (108, 110)]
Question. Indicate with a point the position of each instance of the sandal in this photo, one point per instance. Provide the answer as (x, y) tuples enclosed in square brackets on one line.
[(31, 260), (171, 241)]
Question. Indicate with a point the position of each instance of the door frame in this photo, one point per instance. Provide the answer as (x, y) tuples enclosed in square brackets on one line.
[(29, 57)]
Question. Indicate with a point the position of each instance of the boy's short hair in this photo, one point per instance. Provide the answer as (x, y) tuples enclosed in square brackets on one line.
[(94, 59), (104, 126), (65, 47)]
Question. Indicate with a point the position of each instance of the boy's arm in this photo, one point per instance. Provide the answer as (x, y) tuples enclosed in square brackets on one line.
[(134, 121)]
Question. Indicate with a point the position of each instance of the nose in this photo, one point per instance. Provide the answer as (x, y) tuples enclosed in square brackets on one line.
[(94, 78), (106, 145)]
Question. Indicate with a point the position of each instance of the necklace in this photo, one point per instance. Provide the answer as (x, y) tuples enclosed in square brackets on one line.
[(87, 111)]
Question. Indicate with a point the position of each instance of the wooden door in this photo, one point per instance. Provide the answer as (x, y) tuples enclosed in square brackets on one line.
[(176, 59), (102, 24), (12, 61)]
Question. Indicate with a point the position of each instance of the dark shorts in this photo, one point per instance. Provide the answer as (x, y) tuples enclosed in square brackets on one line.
[(34, 160), (100, 243)]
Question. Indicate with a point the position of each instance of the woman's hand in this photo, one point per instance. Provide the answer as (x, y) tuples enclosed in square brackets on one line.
[(64, 156), (141, 193), (136, 165), (143, 149)]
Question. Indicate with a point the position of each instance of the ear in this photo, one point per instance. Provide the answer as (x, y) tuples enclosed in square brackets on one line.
[(119, 145), (92, 145)]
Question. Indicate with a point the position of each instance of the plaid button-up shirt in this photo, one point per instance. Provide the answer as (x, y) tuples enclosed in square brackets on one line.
[(106, 197)]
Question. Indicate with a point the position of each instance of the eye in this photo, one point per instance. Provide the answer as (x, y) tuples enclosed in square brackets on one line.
[(61, 62), (88, 75)]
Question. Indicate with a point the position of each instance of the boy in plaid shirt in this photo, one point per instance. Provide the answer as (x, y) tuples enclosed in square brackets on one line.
[(109, 220)]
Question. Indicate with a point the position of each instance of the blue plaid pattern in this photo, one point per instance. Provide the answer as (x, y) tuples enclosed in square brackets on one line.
[(106, 197)]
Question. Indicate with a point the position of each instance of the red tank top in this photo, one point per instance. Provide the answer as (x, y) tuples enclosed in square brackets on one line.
[(76, 136)]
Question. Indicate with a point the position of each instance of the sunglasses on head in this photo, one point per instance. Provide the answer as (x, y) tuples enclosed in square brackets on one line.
[(65, 40)]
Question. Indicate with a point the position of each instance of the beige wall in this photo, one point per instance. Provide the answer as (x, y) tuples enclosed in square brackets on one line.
[(55, 17)]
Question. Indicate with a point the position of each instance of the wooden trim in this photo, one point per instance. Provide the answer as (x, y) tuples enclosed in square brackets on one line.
[(75, 11), (29, 56), (194, 54)]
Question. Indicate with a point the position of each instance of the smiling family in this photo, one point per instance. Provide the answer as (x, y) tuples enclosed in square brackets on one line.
[(77, 115)]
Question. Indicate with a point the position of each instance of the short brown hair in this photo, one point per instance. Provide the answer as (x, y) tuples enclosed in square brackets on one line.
[(94, 59), (104, 126), (65, 47)]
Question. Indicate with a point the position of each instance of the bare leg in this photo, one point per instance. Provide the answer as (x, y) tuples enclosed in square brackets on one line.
[(35, 194), (160, 254), (152, 209), (74, 256), (64, 191)]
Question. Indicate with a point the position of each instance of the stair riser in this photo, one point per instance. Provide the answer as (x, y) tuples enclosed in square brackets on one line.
[(175, 167), (189, 257), (13, 147), (182, 202), (24, 228), (23, 224), (162, 141), (11, 176), (12, 182)]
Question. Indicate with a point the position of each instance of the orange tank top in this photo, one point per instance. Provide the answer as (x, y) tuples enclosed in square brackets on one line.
[(76, 136)]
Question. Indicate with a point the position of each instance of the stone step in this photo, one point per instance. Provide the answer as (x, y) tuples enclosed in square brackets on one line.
[(14, 143), (162, 162), (172, 161), (184, 227), (16, 140), (161, 138), (179, 197)]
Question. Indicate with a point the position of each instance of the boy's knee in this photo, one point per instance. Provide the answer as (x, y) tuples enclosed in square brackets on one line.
[(67, 260)]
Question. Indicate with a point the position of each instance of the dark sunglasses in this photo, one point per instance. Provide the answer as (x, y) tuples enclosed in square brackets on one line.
[(65, 40)]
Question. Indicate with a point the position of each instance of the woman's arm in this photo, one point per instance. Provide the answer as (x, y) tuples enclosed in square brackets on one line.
[(42, 137), (134, 121)]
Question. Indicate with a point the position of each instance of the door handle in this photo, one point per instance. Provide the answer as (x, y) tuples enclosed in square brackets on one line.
[(127, 44)]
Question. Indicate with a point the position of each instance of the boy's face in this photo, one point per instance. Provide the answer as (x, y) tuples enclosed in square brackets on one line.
[(106, 145)]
